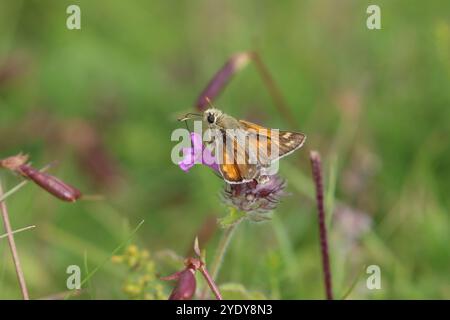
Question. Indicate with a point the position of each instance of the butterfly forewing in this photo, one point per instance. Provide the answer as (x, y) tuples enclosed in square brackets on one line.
[(236, 165), (245, 151), (272, 144), (289, 141)]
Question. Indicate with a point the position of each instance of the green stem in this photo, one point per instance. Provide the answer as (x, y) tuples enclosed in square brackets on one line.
[(13, 190), (220, 253), (221, 249), (17, 231)]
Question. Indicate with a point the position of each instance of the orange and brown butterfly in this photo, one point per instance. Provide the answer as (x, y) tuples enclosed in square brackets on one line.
[(244, 150)]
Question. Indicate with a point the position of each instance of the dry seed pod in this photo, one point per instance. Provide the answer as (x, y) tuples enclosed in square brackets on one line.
[(50, 183)]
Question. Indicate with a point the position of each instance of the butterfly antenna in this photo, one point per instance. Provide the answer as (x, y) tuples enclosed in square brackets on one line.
[(189, 130), (187, 126), (190, 115)]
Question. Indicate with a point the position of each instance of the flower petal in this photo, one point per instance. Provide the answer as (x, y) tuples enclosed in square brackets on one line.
[(188, 159), (197, 141)]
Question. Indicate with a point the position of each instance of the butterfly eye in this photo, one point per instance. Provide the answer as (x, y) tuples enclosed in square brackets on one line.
[(210, 118)]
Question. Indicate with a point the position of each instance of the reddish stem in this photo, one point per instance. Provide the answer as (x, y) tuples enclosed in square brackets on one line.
[(274, 91), (316, 165), (212, 285)]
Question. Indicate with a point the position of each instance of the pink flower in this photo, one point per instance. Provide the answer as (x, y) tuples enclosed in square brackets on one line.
[(197, 153)]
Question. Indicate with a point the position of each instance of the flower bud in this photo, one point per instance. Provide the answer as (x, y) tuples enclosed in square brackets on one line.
[(50, 183), (186, 285)]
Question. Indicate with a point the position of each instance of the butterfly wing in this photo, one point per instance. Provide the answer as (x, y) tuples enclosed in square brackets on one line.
[(235, 166), (271, 144)]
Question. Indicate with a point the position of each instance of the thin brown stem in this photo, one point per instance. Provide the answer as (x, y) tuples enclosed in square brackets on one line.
[(235, 64), (211, 283), (316, 165), (12, 245), (274, 91)]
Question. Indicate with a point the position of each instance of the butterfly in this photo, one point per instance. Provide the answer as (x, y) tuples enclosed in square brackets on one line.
[(244, 150)]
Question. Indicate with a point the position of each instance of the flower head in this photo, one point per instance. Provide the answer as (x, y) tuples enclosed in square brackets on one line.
[(254, 197), (141, 281), (351, 223)]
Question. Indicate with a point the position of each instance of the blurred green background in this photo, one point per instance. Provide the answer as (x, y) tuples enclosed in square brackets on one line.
[(103, 102)]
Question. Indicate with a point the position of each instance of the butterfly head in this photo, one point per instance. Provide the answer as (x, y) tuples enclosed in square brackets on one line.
[(211, 116)]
